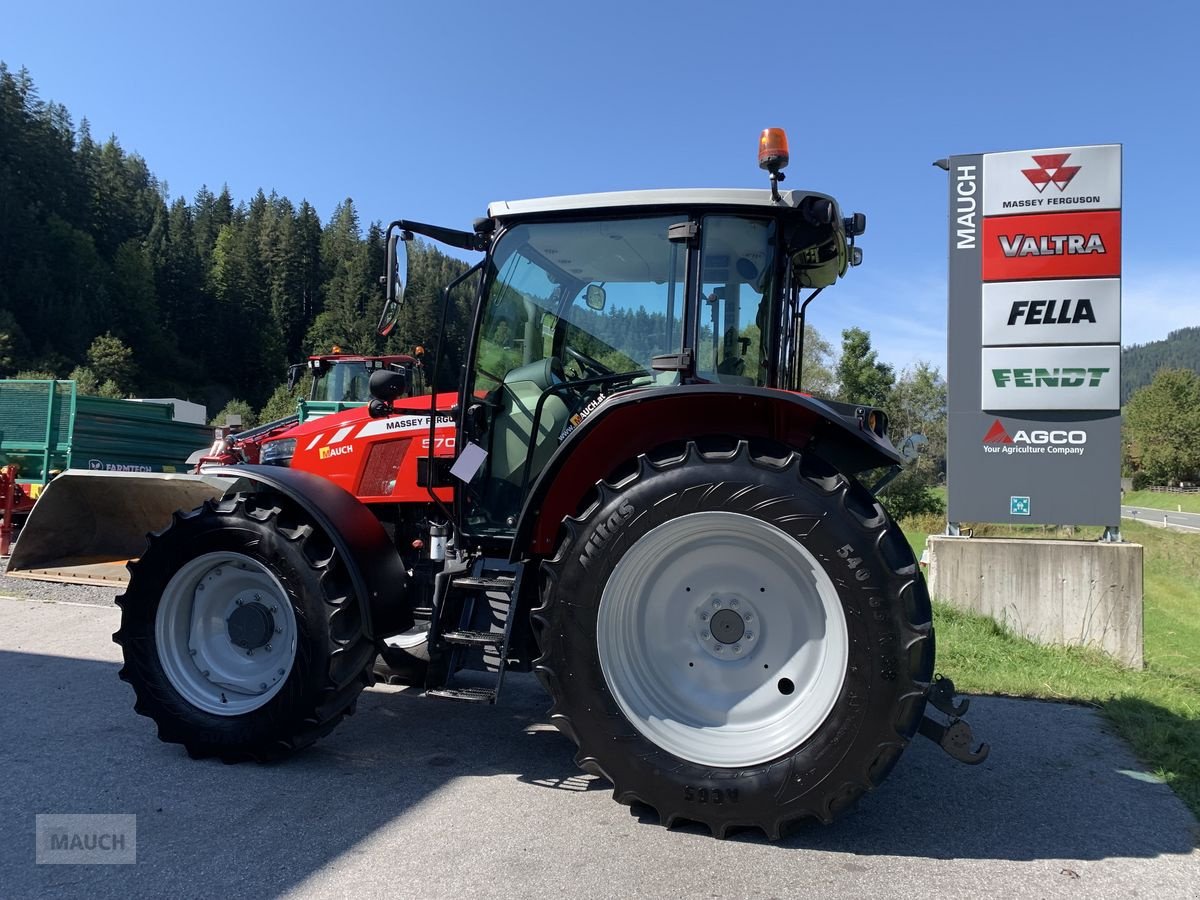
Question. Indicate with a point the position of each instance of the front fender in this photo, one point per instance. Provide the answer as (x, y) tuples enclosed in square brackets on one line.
[(375, 568), (635, 422)]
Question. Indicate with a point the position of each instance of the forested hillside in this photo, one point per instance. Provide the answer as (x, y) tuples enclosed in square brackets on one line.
[(1140, 362), (214, 296)]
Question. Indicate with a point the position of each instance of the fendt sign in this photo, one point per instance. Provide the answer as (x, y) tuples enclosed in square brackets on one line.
[(1034, 356)]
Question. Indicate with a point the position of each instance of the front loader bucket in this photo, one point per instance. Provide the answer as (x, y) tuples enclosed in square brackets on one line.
[(86, 525)]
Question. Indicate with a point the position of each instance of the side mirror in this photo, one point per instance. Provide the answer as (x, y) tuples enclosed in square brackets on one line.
[(595, 297), (295, 373), (394, 278), (911, 448), (388, 385), (855, 224)]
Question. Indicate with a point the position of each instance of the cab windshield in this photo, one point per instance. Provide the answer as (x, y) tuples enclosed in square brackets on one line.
[(592, 297), (343, 382)]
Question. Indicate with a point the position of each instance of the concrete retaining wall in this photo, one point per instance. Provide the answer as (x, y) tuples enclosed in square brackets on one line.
[(1054, 592)]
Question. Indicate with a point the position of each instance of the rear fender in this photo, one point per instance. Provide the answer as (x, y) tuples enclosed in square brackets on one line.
[(633, 423), (375, 568)]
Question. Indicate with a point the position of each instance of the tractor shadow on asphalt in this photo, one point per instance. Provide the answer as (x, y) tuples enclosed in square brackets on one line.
[(1054, 787)]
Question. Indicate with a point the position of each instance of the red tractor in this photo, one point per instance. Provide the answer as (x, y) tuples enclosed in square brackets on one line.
[(629, 495)]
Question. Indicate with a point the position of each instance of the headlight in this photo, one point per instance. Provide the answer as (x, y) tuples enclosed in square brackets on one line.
[(278, 453)]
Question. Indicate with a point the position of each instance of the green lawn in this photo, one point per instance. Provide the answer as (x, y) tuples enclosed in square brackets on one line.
[(1163, 500), (1156, 710)]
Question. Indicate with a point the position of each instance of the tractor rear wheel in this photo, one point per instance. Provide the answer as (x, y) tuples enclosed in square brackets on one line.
[(241, 634), (736, 638)]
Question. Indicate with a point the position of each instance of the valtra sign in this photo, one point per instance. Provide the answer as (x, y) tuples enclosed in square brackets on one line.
[(1034, 356), (1066, 245)]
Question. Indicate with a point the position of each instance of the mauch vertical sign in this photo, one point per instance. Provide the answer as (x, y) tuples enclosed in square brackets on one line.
[(1033, 360)]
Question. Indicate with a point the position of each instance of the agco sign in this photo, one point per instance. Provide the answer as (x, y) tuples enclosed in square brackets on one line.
[(1054, 441)]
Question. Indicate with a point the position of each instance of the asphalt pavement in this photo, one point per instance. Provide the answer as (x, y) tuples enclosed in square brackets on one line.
[(1183, 521), (414, 797)]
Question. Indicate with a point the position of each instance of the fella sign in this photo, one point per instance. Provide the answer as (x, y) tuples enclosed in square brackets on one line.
[(1034, 356)]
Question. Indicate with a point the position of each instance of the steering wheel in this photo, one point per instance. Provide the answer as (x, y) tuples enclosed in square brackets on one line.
[(590, 365)]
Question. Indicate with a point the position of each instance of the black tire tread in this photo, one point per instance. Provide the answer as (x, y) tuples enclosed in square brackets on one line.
[(349, 666), (903, 577)]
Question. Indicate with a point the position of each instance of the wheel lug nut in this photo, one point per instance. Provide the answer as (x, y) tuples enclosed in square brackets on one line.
[(703, 617), (279, 630), (258, 596), (749, 635), (749, 616), (716, 604), (737, 648), (263, 686), (274, 609), (704, 636), (239, 601), (718, 648), (733, 603), (281, 671), (249, 652), (268, 648)]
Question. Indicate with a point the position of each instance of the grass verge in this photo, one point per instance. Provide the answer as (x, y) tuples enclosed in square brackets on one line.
[(1156, 710), (1163, 500)]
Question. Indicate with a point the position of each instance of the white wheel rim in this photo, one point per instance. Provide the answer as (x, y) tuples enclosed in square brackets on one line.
[(225, 633), (731, 706)]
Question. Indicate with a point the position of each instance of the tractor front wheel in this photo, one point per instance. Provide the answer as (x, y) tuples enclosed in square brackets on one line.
[(736, 638), (241, 634)]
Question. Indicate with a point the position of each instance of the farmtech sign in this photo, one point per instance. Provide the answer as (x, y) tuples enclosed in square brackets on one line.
[(1034, 352)]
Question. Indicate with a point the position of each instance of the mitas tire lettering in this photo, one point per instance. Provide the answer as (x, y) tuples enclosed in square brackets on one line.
[(882, 595)]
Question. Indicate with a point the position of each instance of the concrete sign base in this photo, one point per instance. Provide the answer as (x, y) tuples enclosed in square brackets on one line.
[(1077, 593)]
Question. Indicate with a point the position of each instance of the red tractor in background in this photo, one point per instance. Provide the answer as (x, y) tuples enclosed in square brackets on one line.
[(629, 495), (340, 381)]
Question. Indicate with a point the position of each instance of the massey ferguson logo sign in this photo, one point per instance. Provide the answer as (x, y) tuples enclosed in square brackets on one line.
[(1051, 169), (1057, 245), (1049, 441), (1065, 179)]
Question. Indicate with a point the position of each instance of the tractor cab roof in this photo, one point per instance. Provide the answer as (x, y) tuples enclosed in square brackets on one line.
[(503, 209)]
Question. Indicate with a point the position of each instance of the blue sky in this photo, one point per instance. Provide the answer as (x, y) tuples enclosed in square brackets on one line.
[(428, 111)]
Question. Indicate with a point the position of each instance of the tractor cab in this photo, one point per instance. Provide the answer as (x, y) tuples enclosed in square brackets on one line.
[(587, 298)]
